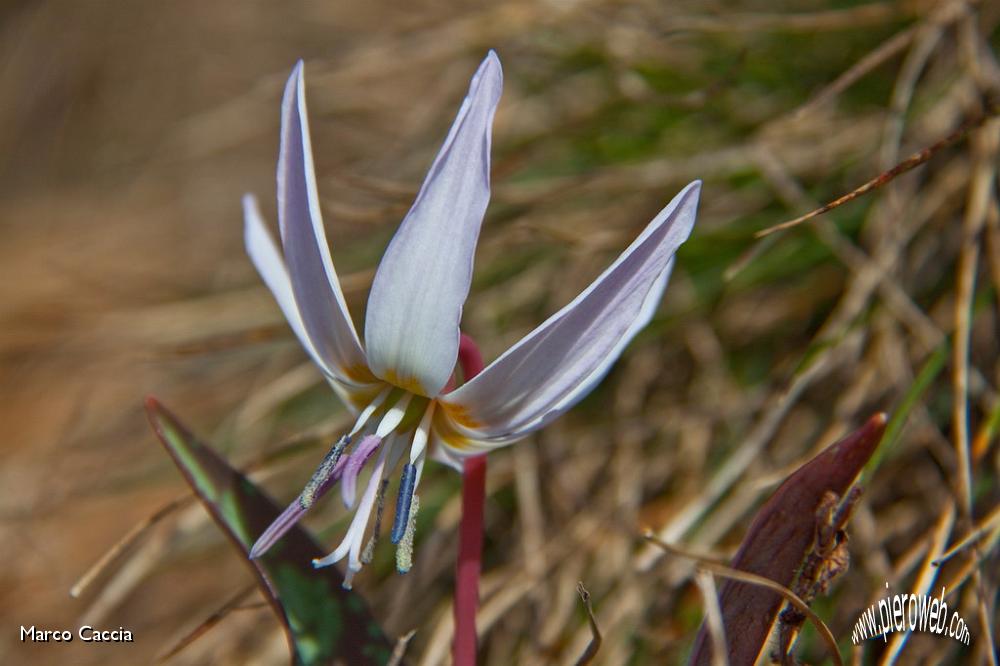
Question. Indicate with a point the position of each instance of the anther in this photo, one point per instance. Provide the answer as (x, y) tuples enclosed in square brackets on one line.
[(403, 500), (404, 551), (369, 552), (323, 473)]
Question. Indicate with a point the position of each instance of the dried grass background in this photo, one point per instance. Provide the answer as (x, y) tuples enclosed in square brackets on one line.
[(129, 131)]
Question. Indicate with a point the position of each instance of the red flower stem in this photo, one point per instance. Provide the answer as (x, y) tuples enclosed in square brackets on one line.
[(470, 531)]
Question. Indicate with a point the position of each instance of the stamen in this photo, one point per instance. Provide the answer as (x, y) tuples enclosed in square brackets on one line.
[(332, 463), (403, 500), (404, 551), (323, 473), (277, 529), (369, 551), (419, 444), (328, 472), (393, 417), (420, 470), (367, 412), (348, 583), (353, 465), (356, 532)]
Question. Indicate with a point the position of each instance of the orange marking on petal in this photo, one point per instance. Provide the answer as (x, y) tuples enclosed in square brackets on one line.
[(444, 431), (359, 373), (460, 415), (362, 397), (409, 384)]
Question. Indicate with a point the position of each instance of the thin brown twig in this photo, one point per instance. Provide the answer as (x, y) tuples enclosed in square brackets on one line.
[(911, 162), (744, 577)]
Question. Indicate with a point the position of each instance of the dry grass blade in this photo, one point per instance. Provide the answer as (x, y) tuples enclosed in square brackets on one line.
[(987, 524), (234, 603), (752, 579), (738, 462), (226, 341), (125, 542), (595, 631), (834, 19), (884, 52), (911, 162), (748, 256), (925, 577), (713, 616), (399, 651), (943, 15), (980, 195)]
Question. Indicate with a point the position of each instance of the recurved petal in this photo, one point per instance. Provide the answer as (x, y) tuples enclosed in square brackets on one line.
[(415, 305), (558, 363), (267, 259), (314, 281)]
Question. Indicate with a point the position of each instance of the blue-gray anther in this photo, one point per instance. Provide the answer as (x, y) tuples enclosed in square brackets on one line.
[(403, 500), (322, 474)]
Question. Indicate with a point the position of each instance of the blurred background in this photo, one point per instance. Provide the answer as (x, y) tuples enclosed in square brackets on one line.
[(130, 130)]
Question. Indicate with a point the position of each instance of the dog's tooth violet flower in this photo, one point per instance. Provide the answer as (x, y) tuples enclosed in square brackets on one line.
[(398, 382)]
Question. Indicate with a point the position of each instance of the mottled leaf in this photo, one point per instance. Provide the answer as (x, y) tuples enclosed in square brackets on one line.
[(325, 624), (779, 541)]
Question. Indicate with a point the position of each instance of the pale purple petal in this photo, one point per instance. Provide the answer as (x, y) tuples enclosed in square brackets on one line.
[(415, 305), (558, 363), (267, 259), (314, 280)]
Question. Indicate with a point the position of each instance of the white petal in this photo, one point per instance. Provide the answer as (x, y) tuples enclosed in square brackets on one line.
[(558, 363), (314, 280), (267, 259), (443, 453), (415, 305)]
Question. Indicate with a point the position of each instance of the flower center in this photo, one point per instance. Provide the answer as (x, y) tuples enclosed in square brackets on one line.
[(392, 422), (396, 419)]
